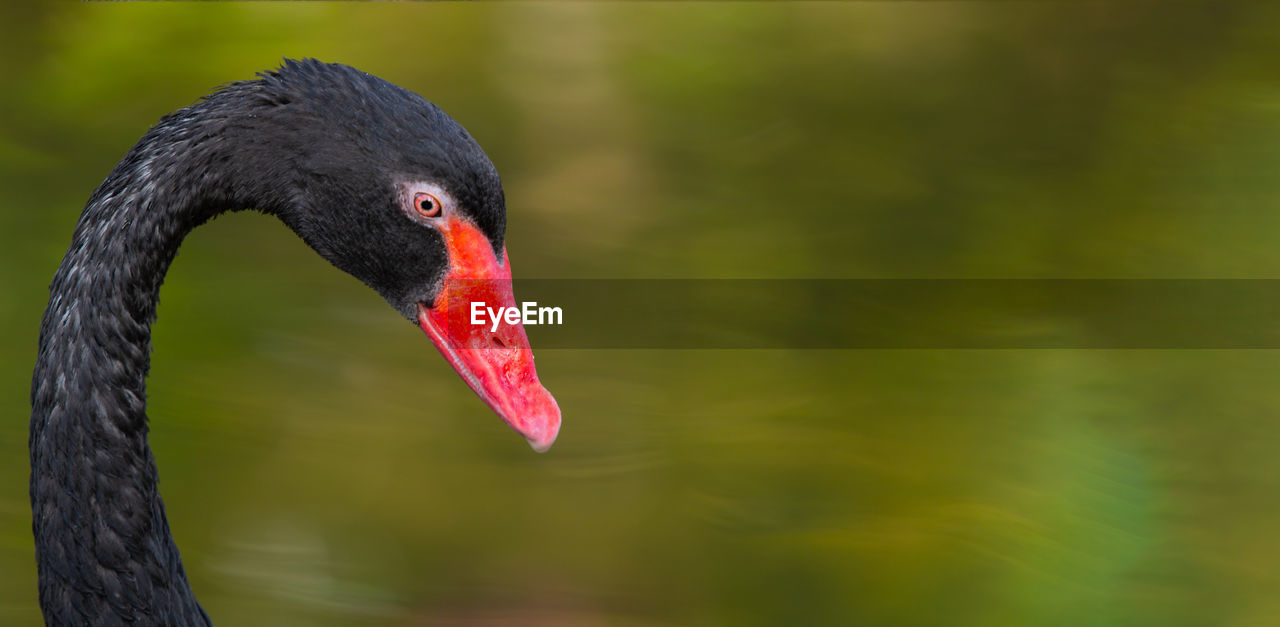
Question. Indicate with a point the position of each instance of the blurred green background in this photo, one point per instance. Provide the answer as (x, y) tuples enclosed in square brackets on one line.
[(322, 465)]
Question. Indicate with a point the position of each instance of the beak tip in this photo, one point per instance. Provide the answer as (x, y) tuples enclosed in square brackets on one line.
[(544, 433), (543, 438), (541, 446), (541, 442)]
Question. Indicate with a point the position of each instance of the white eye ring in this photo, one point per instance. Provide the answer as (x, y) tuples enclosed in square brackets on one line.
[(424, 200)]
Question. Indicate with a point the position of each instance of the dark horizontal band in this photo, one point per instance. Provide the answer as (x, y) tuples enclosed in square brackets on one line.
[(909, 313)]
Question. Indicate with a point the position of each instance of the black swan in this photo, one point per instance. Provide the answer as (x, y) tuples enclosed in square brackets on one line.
[(377, 180)]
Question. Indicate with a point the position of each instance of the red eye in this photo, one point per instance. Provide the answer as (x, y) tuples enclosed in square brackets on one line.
[(426, 204)]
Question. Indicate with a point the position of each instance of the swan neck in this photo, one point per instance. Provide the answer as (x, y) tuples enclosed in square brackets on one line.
[(103, 546)]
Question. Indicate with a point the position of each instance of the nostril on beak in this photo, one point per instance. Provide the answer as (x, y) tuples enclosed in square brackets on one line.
[(498, 343)]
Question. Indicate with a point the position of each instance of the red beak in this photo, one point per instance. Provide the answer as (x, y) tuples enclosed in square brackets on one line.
[(496, 363)]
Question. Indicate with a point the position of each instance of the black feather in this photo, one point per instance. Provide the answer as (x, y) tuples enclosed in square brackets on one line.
[(322, 147)]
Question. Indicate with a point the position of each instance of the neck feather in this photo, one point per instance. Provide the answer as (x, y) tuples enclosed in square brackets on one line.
[(103, 546)]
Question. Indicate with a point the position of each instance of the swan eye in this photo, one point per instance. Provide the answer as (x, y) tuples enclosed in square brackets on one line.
[(426, 204)]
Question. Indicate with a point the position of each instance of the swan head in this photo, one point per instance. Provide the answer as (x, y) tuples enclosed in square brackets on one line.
[(390, 189)]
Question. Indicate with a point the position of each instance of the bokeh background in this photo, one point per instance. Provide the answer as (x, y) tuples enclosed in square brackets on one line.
[(322, 465)]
